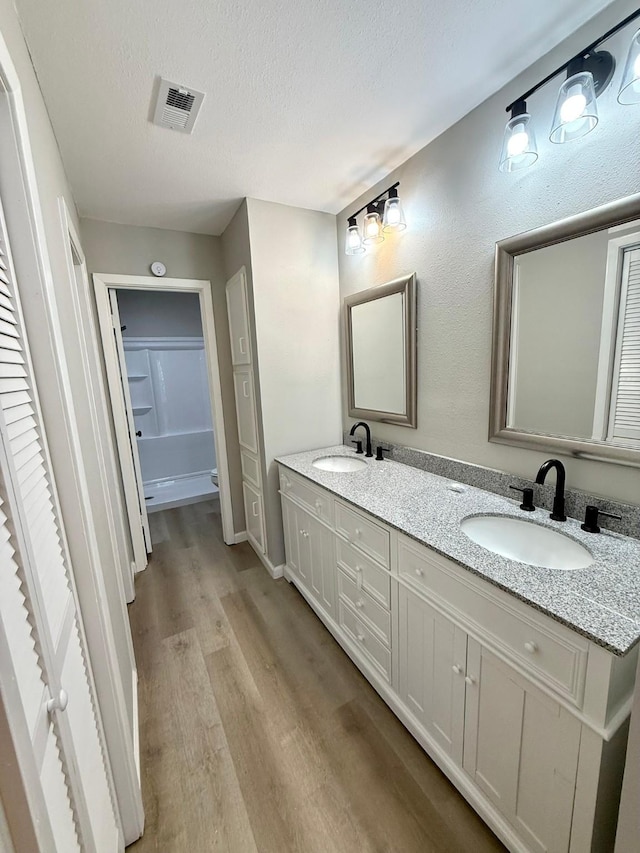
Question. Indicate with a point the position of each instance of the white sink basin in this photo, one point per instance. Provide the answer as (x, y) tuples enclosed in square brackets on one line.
[(342, 464), (526, 542)]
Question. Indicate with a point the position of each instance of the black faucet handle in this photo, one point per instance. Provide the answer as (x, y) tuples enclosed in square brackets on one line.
[(591, 518), (527, 498), (379, 451), (358, 444)]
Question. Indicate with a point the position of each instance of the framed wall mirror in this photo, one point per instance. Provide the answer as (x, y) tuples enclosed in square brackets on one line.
[(380, 333), (566, 336)]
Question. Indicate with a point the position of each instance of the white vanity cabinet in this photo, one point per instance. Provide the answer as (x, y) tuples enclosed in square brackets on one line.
[(526, 717)]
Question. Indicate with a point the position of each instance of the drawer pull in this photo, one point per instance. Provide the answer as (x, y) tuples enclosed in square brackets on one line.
[(457, 669), (243, 346), (254, 508), (358, 532), (359, 570), (304, 533), (286, 482), (531, 647), (245, 388), (419, 573), (360, 637), (318, 505), (359, 604), (469, 679)]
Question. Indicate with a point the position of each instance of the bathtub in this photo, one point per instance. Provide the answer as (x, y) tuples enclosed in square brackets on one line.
[(177, 468)]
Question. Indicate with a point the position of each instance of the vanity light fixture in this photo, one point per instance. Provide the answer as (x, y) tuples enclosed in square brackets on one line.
[(383, 215), (372, 227), (393, 218), (588, 74), (353, 243), (630, 85), (576, 112), (519, 148)]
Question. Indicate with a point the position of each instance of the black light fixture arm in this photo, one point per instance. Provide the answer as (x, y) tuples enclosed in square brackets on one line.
[(374, 200), (581, 55)]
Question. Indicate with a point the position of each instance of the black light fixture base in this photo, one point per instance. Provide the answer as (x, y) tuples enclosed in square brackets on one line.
[(602, 65)]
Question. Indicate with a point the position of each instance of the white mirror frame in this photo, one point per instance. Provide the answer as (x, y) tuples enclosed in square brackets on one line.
[(405, 285), (607, 216)]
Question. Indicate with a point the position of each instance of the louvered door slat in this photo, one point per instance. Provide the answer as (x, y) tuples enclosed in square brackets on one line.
[(8, 328), (9, 342), (13, 383), (20, 426)]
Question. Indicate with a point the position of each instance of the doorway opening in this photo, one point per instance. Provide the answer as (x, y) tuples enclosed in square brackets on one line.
[(161, 361), (169, 390)]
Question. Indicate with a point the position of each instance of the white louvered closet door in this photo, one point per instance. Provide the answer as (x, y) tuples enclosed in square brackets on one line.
[(625, 386), (39, 613)]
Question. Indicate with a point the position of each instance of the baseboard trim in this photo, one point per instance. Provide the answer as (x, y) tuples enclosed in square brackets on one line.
[(136, 725), (275, 571)]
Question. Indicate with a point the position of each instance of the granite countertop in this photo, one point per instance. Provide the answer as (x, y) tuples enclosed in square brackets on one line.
[(601, 602)]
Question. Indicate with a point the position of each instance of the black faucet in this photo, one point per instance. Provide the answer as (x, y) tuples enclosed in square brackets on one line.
[(558, 500), (368, 431)]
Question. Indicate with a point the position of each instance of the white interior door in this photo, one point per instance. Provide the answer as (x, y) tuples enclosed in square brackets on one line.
[(131, 425), (124, 425), (42, 643)]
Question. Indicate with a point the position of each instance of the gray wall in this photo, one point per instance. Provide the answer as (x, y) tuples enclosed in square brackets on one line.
[(458, 205), (296, 299), (157, 315), (129, 249)]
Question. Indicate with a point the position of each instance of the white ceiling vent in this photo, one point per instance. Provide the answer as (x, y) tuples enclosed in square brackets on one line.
[(177, 106)]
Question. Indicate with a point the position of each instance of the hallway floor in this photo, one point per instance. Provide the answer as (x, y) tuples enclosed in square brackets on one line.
[(257, 732)]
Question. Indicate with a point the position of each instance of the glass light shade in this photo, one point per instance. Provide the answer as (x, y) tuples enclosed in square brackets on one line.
[(393, 217), (372, 229), (353, 240), (519, 149), (576, 112), (630, 85)]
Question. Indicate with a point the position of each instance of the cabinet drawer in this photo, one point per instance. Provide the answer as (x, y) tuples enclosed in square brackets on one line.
[(375, 580), (541, 646), (369, 646), (366, 535), (375, 616), (319, 503)]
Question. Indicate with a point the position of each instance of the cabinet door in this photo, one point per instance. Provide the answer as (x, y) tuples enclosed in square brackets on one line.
[(432, 659), (323, 565), (246, 409), (303, 520), (289, 525), (237, 311), (521, 748), (253, 514)]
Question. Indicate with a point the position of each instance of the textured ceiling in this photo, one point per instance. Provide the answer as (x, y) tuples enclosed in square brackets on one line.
[(308, 103)]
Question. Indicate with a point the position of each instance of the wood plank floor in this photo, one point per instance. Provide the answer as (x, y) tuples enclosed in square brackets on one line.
[(257, 731)]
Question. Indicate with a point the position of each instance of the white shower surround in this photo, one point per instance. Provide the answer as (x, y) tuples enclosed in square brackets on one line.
[(170, 398)]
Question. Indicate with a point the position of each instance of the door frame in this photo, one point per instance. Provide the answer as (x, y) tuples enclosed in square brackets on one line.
[(103, 282)]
